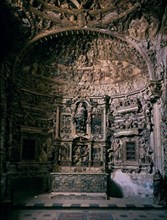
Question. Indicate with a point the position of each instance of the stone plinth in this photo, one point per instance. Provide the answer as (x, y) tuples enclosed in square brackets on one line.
[(78, 196), (79, 183)]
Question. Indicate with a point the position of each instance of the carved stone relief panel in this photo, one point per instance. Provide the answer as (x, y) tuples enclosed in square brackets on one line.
[(46, 152), (97, 65), (80, 155), (97, 155), (42, 16), (97, 122), (65, 154), (33, 124), (81, 152), (65, 126), (94, 183), (130, 128)]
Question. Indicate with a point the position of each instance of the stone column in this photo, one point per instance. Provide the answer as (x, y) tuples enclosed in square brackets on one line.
[(71, 153), (57, 122), (104, 118), (90, 154), (158, 150), (2, 138), (56, 139), (88, 130)]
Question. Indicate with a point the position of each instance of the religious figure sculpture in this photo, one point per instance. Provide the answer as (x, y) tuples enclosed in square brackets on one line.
[(80, 118), (80, 156), (157, 188)]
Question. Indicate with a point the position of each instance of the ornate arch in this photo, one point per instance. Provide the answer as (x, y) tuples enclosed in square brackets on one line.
[(117, 58)]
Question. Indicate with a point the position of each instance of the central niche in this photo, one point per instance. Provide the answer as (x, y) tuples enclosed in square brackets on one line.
[(80, 117)]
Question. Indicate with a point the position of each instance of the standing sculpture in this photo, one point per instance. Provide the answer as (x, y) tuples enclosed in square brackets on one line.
[(80, 118), (158, 188)]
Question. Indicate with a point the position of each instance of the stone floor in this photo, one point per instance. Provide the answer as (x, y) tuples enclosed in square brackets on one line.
[(89, 215), (33, 206)]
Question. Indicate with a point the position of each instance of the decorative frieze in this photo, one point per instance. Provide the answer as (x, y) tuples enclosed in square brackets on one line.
[(75, 182)]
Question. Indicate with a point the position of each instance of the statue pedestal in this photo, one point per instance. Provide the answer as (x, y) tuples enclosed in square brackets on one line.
[(79, 186)]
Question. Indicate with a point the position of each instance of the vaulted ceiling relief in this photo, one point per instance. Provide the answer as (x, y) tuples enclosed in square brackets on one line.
[(83, 63), (139, 19)]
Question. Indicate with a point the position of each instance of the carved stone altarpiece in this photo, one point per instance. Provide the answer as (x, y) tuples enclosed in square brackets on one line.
[(81, 146)]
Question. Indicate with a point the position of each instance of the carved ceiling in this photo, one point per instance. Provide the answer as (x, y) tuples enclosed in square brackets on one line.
[(40, 16), (81, 46)]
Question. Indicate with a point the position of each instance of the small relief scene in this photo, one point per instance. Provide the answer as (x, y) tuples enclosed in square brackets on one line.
[(96, 156), (80, 117), (96, 125), (80, 155), (64, 152), (46, 150), (115, 152), (65, 126)]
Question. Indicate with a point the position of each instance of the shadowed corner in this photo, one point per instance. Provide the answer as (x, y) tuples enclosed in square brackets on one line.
[(114, 189)]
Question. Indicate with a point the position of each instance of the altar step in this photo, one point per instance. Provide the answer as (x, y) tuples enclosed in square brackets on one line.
[(78, 196)]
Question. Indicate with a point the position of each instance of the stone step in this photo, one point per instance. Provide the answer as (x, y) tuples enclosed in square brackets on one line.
[(78, 196)]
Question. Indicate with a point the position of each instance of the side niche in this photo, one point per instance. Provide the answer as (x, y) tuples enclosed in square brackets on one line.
[(28, 149), (130, 126), (97, 122)]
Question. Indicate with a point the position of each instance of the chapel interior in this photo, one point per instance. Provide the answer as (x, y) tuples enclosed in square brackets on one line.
[(83, 97)]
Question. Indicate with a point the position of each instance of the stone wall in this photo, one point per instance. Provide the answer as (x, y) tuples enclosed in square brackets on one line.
[(132, 184)]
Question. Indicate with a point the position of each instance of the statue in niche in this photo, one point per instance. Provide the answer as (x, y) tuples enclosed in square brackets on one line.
[(157, 188), (46, 150), (43, 151), (80, 117), (117, 150), (43, 155), (110, 152)]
